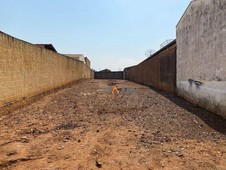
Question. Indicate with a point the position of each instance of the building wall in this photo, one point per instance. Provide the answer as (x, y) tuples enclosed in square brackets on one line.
[(87, 62), (201, 55), (27, 70), (159, 71), (109, 75)]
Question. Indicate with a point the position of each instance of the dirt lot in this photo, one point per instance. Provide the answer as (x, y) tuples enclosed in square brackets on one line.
[(86, 127)]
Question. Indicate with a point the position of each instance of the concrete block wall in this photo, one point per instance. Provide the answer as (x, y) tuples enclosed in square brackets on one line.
[(27, 70), (158, 71), (201, 55), (109, 75)]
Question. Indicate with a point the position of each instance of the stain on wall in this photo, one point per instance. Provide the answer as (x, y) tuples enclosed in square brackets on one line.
[(201, 55)]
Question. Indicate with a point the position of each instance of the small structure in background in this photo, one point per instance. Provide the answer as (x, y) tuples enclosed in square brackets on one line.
[(108, 74), (87, 61), (105, 70), (47, 46), (79, 57)]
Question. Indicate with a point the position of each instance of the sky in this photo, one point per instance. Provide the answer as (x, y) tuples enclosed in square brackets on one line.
[(113, 34)]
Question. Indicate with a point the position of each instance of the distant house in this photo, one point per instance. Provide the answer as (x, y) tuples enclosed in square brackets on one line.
[(47, 46), (105, 70), (79, 57), (108, 74)]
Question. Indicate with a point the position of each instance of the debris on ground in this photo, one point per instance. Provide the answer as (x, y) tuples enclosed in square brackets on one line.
[(84, 126)]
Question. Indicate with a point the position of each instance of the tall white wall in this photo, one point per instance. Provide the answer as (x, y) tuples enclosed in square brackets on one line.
[(201, 55)]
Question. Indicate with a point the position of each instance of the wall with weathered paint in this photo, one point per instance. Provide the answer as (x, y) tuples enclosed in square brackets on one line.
[(158, 71), (27, 70), (201, 55)]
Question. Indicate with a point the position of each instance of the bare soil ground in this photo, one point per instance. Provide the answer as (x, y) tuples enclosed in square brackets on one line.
[(86, 127)]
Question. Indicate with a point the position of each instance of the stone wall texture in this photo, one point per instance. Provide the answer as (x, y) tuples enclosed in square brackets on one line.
[(158, 71), (201, 55), (27, 70)]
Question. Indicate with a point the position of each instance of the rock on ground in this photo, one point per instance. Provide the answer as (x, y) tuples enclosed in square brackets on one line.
[(84, 126)]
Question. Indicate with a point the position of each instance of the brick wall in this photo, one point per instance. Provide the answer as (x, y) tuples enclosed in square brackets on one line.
[(27, 70)]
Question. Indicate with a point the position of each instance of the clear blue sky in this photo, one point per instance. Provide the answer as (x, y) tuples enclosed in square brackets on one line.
[(112, 33)]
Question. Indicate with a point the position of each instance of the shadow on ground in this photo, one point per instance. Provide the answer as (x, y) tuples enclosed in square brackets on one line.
[(213, 120)]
